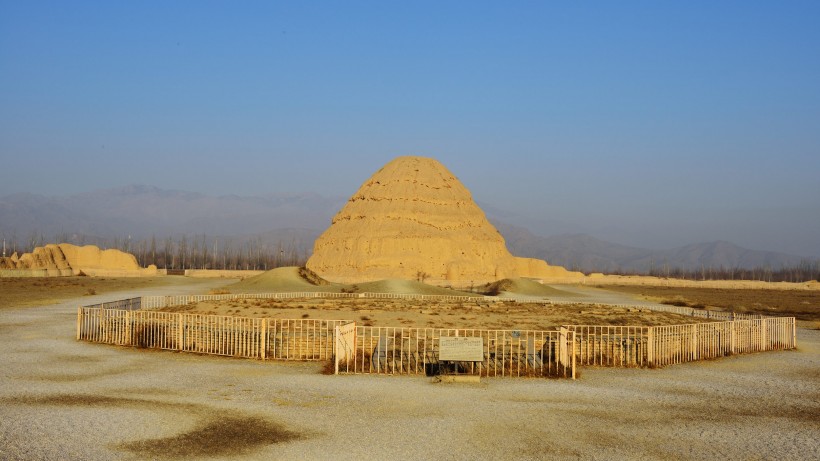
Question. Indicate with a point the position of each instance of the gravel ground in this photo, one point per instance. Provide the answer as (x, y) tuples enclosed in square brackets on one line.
[(63, 399)]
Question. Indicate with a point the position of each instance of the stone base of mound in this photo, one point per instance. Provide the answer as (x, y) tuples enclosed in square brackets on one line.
[(24, 273), (90, 272), (97, 272)]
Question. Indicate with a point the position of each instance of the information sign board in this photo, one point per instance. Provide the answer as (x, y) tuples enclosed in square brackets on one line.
[(461, 349)]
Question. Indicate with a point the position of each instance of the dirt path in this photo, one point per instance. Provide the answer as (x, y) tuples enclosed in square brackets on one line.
[(43, 291), (62, 399)]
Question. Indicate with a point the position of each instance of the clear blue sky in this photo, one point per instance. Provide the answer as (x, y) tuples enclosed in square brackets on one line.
[(647, 123)]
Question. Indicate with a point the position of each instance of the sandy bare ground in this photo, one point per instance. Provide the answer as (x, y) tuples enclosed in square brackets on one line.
[(62, 399), (804, 305), (40, 291), (478, 313)]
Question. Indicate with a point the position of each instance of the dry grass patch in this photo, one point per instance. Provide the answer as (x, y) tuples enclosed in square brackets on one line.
[(802, 304), (412, 313), (229, 436), (39, 291)]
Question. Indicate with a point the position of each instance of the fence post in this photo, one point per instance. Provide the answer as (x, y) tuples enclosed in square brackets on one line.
[(732, 326), (572, 352), (79, 321), (335, 350), (794, 333), (128, 328), (102, 325), (650, 346), (263, 334), (179, 333), (563, 335), (764, 336), (695, 353)]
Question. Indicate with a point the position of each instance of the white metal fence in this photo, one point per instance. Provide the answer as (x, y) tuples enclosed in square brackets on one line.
[(129, 304), (635, 346), (377, 350), (396, 350), (282, 339)]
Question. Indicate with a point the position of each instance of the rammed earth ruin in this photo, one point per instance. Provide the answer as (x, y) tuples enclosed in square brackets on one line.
[(413, 219), (67, 259)]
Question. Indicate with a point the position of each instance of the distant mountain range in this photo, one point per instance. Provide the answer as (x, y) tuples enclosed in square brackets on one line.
[(144, 211), (588, 254)]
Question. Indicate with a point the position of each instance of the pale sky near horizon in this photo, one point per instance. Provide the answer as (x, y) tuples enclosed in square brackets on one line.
[(653, 124)]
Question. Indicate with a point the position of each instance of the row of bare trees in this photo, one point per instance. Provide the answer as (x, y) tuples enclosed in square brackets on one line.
[(199, 252), (236, 253), (187, 251), (804, 271)]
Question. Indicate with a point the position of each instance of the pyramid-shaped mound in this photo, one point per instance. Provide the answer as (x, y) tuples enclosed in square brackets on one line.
[(414, 219)]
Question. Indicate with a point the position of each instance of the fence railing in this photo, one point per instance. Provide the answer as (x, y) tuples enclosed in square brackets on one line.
[(397, 350), (129, 304), (631, 346), (692, 312), (378, 350), (426, 297), (282, 339), (615, 346)]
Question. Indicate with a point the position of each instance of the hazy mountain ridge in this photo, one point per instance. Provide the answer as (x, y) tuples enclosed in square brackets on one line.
[(142, 211), (296, 220), (587, 253)]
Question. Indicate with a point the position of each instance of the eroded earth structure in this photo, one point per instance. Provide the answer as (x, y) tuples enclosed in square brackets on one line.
[(413, 219), (68, 259)]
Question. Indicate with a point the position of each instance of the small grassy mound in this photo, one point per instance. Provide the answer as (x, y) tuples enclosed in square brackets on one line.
[(682, 302), (294, 279), (404, 287), (523, 287), (284, 279)]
